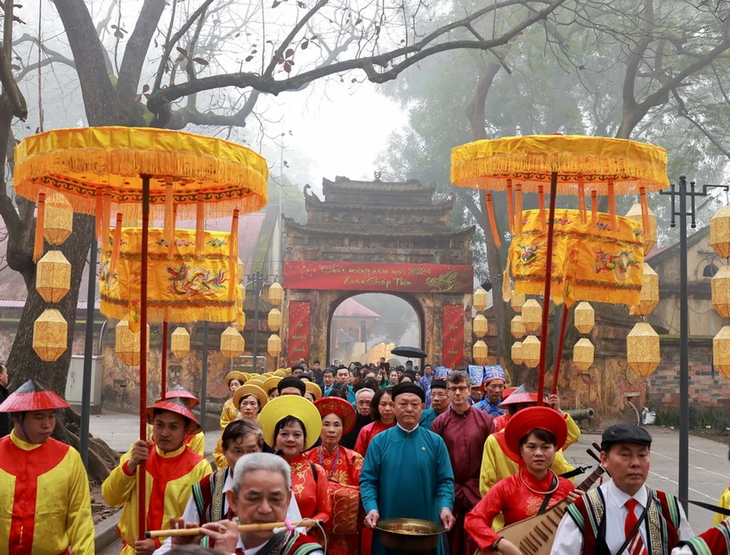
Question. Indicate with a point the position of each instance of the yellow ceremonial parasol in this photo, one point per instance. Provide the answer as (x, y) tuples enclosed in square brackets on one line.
[(127, 170), (574, 165)]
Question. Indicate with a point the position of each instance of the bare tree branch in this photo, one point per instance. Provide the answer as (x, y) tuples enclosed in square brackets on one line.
[(413, 53), (682, 110)]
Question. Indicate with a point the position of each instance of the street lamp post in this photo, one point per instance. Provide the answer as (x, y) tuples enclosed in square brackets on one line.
[(682, 212)]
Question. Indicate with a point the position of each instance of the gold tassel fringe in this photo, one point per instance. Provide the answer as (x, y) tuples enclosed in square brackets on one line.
[(40, 223)]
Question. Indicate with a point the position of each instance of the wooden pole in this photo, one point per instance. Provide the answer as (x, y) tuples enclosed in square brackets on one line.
[(177, 532), (559, 356), (163, 370), (141, 468), (546, 295)]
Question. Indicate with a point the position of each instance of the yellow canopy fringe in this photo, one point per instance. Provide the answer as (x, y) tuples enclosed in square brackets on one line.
[(84, 161), (40, 223), (493, 222), (487, 164), (510, 207)]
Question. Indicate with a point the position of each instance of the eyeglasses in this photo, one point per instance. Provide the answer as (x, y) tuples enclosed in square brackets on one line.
[(461, 389)]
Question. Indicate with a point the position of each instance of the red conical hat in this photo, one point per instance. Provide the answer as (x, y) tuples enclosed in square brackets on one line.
[(530, 418), (181, 393), (522, 394), (177, 406), (33, 396)]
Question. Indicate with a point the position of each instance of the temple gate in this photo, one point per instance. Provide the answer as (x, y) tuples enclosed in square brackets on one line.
[(379, 237)]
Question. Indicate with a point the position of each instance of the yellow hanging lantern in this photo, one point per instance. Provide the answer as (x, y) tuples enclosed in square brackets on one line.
[(720, 232), (517, 302), (517, 327), (720, 284), (59, 219), (276, 294), (642, 349), (584, 317), (50, 335), (274, 345), (583, 353), (180, 342), (532, 315), (232, 343), (480, 352), (517, 352), (479, 300), (721, 351), (127, 343), (240, 270), (53, 276), (480, 326), (274, 319), (531, 351), (650, 237), (649, 293)]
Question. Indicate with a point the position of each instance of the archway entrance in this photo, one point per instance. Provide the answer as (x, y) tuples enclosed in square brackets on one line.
[(363, 327), (376, 237)]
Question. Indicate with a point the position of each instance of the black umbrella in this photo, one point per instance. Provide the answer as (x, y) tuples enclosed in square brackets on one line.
[(410, 352)]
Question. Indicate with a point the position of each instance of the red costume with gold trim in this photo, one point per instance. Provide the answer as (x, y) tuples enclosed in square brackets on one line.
[(515, 501), (343, 467), (311, 494)]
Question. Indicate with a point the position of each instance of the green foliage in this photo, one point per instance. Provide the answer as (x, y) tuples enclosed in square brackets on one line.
[(699, 418)]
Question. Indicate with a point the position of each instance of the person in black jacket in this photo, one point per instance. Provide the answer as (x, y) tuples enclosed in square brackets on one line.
[(4, 416)]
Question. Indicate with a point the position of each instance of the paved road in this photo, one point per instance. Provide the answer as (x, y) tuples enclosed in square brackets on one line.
[(709, 467), (709, 471)]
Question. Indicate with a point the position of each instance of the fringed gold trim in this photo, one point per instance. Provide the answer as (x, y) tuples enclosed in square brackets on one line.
[(612, 207), (582, 199), (510, 207), (578, 292), (645, 224), (487, 164), (187, 312), (117, 246), (594, 208), (105, 216), (518, 209), (541, 207), (169, 223), (199, 224), (97, 213), (493, 222), (40, 223)]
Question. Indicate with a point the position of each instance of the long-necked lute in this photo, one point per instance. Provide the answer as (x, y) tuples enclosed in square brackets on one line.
[(535, 535)]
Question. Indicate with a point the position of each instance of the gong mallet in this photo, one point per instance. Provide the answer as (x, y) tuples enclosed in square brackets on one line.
[(275, 526)]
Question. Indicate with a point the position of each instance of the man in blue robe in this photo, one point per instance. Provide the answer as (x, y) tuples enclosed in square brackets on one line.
[(495, 381), (407, 471)]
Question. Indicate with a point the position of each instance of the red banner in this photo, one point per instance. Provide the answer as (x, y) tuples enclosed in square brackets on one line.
[(355, 276), (298, 331), (453, 335)]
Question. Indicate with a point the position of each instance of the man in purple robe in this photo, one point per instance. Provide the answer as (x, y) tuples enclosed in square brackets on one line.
[(464, 430)]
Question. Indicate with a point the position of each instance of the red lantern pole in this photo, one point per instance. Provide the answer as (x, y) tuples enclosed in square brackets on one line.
[(559, 356), (163, 370), (142, 468), (546, 295)]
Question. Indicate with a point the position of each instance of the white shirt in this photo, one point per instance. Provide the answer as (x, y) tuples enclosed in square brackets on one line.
[(191, 515), (569, 539)]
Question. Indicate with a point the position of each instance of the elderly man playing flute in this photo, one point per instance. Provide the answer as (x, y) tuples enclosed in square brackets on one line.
[(260, 494)]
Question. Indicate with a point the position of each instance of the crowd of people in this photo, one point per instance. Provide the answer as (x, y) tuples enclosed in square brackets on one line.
[(311, 461)]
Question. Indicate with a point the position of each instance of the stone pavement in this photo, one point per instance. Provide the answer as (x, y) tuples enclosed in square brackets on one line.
[(709, 467)]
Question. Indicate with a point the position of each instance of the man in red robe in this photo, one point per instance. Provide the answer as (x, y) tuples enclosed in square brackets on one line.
[(464, 429)]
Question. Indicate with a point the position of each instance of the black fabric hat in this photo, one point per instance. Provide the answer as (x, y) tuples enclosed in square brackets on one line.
[(624, 433), (408, 387), (291, 381), (438, 384)]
